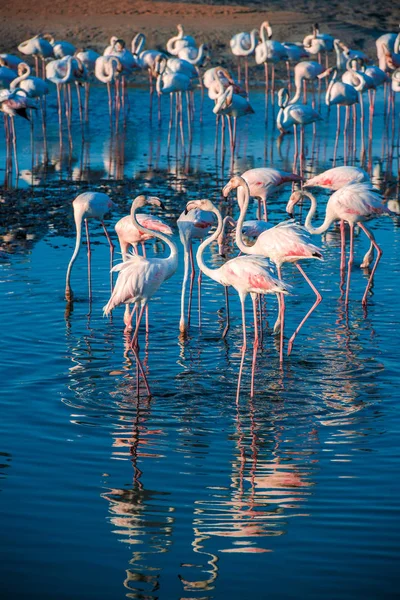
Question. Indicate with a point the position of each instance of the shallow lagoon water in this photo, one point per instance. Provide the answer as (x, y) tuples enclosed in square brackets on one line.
[(293, 493)]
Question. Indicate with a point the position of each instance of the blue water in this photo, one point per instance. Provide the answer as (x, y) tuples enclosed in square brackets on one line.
[(291, 494)]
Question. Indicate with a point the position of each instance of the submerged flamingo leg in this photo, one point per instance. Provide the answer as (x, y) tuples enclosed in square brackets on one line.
[(243, 349), (89, 255), (314, 306), (350, 262), (136, 332), (199, 279), (378, 258), (281, 318), (255, 346), (192, 276), (140, 366)]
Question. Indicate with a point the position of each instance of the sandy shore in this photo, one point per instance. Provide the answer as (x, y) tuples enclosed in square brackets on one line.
[(90, 23)]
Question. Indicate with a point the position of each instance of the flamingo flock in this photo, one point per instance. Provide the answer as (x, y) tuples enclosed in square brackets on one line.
[(176, 72)]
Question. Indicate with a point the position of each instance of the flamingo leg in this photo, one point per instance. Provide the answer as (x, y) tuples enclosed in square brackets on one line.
[(140, 367), (136, 332), (14, 139), (227, 313), (255, 345), (128, 316), (192, 276), (282, 319), (89, 255), (111, 250), (199, 294), (244, 346), (378, 258), (350, 262), (314, 306)]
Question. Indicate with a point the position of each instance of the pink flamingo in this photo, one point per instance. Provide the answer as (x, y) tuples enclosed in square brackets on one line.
[(354, 203), (89, 205), (15, 103), (264, 181), (334, 179), (129, 235), (247, 274), (139, 278), (286, 242), (192, 225)]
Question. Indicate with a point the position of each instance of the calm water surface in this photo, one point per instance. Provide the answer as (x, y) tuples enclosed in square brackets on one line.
[(293, 493)]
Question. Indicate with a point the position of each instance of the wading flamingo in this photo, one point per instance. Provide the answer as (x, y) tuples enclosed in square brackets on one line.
[(243, 45), (139, 278), (193, 225), (247, 274), (269, 51), (89, 205), (354, 203), (284, 243), (15, 103), (264, 181)]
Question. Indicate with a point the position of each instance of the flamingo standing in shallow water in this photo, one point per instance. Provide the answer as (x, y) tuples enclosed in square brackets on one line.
[(243, 45), (354, 204), (247, 274), (264, 181), (193, 225), (139, 278), (285, 243), (89, 205)]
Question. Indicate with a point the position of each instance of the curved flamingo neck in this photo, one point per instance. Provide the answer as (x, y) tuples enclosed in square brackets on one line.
[(243, 198), (308, 222), (173, 256), (212, 273), (78, 216)]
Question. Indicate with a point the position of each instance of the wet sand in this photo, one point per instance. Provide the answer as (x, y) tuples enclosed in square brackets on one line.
[(90, 23)]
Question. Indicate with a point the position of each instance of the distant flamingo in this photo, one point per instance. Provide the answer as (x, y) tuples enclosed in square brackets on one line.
[(60, 48), (286, 242), (317, 42), (194, 225), (307, 70), (232, 105), (243, 45), (89, 205), (139, 278), (269, 51), (177, 42), (35, 87), (108, 70), (15, 103), (247, 274), (354, 203)]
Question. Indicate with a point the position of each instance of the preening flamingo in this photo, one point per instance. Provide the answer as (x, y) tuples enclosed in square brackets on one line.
[(243, 45), (264, 181), (177, 42), (35, 87), (139, 278), (317, 42), (247, 274), (60, 47), (38, 47), (286, 242), (354, 203), (269, 51), (89, 205), (193, 225), (389, 40)]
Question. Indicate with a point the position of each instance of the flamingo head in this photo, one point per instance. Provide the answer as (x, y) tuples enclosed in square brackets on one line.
[(22, 68), (143, 200), (119, 45), (235, 182), (204, 204), (294, 199)]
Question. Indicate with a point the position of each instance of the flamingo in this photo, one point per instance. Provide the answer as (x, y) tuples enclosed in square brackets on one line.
[(286, 242), (307, 70), (340, 94), (146, 59), (60, 48), (247, 274), (388, 40), (317, 42), (294, 52), (65, 71), (139, 278), (108, 69), (89, 205), (294, 115), (193, 225), (35, 87), (244, 44), (264, 181), (177, 42), (15, 103), (88, 58), (129, 235), (269, 51), (37, 47), (232, 105), (354, 203), (110, 48)]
